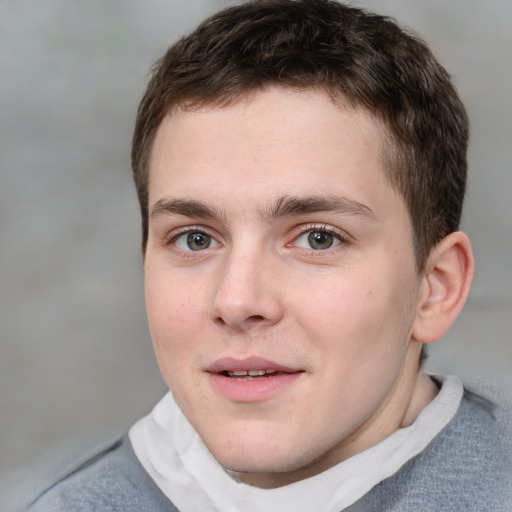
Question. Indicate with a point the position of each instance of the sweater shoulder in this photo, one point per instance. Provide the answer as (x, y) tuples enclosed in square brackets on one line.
[(111, 479), (465, 468)]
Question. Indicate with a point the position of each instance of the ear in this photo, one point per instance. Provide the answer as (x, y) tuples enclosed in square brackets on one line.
[(444, 287)]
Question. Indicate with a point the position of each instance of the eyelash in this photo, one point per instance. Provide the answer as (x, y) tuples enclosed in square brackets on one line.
[(174, 236), (322, 228), (309, 228)]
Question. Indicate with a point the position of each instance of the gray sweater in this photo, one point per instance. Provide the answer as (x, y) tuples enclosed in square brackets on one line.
[(466, 468)]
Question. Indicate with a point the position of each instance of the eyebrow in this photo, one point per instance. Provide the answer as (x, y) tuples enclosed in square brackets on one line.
[(282, 207), (185, 207), (303, 205)]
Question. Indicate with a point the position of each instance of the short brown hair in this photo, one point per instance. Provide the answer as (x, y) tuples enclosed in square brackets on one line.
[(363, 59)]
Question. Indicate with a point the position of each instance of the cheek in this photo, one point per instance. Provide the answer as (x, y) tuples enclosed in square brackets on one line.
[(342, 303), (358, 315), (171, 297), (175, 314), (173, 337)]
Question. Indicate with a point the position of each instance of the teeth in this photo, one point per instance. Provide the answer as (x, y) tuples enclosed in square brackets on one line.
[(245, 373), (256, 373)]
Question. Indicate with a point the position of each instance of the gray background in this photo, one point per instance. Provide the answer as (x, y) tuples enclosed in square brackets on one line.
[(76, 362)]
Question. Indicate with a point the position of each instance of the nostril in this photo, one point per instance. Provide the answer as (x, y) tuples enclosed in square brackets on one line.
[(250, 320), (256, 318), (219, 320)]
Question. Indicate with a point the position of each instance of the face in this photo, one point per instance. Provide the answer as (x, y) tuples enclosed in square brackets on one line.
[(281, 286)]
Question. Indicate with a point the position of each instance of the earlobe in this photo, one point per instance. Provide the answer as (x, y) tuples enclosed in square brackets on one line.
[(444, 288)]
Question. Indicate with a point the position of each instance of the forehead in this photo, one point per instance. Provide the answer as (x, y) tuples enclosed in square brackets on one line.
[(275, 140)]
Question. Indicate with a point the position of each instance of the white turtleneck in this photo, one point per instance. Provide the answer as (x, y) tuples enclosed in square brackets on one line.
[(177, 460)]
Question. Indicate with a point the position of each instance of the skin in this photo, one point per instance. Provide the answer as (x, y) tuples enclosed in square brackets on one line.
[(259, 181)]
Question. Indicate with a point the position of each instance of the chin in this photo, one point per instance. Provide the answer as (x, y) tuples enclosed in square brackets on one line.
[(268, 472), (249, 461), (260, 459)]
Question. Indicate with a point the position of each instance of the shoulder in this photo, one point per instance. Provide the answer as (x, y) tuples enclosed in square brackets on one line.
[(465, 468), (110, 480)]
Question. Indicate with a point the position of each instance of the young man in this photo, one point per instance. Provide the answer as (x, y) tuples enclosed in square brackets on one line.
[(300, 167)]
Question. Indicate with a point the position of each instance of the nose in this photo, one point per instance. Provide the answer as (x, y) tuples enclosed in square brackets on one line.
[(247, 294)]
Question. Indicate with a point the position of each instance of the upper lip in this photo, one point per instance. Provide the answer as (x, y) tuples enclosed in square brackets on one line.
[(231, 364)]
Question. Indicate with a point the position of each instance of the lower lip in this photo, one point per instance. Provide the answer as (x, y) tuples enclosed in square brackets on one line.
[(255, 390)]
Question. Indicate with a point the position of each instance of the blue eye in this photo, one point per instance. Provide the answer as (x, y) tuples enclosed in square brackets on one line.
[(195, 241), (318, 240)]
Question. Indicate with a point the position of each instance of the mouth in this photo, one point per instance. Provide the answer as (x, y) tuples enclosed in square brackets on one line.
[(249, 368), (251, 374), (251, 379)]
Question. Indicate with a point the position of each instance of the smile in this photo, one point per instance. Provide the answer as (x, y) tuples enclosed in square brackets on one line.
[(250, 374), (253, 379)]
